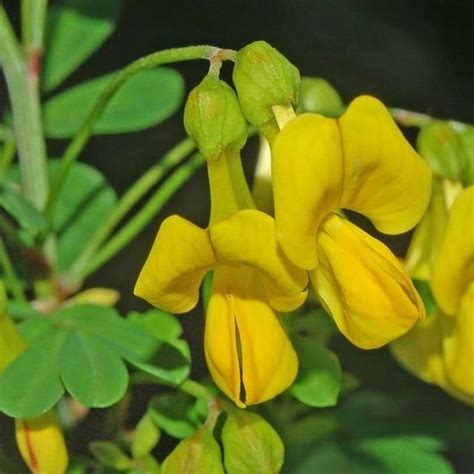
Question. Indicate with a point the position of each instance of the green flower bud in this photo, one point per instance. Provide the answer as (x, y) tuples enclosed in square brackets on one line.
[(250, 444), (440, 145), (213, 119), (200, 453), (264, 78), (318, 96)]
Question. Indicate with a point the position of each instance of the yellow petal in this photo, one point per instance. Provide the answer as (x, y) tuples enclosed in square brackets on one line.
[(384, 178), (458, 345), (180, 257), (363, 286), (238, 310), (307, 180), (41, 444), (248, 238), (220, 336), (420, 350), (453, 266)]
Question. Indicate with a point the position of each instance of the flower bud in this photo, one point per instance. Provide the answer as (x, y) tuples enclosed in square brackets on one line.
[(250, 444), (440, 145), (198, 453), (319, 97), (213, 119), (264, 78), (41, 444)]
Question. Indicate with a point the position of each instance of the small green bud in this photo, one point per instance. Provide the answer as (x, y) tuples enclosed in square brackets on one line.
[(250, 444), (264, 78), (200, 453), (440, 145), (320, 97), (213, 119)]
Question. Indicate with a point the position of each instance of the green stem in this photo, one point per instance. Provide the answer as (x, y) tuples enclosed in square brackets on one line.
[(33, 16), (129, 199), (22, 82), (196, 390), (143, 217), (156, 59), (11, 278)]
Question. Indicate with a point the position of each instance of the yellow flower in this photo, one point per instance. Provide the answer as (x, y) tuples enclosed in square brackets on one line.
[(440, 350), (245, 344), (360, 162), (41, 444), (248, 352)]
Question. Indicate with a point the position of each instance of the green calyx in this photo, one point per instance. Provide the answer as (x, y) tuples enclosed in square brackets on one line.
[(264, 78), (213, 119)]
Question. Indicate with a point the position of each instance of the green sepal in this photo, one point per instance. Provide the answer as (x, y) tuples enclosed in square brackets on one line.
[(264, 78), (213, 119)]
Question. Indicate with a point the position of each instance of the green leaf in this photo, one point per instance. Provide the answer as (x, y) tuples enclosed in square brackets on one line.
[(146, 99), (74, 30), (316, 325), (35, 328), (84, 202), (319, 379), (21, 310), (170, 412), (171, 361), (114, 331), (148, 465), (404, 455), (110, 455), (199, 453), (145, 437), (30, 385), (167, 361), (251, 445), (396, 455), (162, 325), (91, 372), (21, 210)]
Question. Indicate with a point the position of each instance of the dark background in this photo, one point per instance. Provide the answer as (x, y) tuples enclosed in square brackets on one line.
[(414, 54)]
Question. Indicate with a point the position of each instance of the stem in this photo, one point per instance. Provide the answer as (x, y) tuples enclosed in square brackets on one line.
[(77, 144), (196, 390), (33, 16), (22, 81), (11, 278), (407, 118), (143, 217), (130, 198)]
